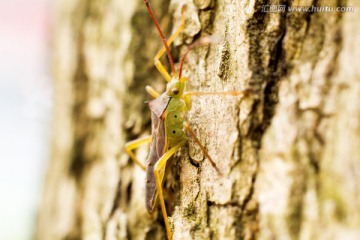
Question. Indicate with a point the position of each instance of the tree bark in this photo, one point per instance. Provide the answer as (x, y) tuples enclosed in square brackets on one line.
[(288, 152)]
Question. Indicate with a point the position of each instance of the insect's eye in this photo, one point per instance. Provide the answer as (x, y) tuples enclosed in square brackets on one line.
[(175, 91)]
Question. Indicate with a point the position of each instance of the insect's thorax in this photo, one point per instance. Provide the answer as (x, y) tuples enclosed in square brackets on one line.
[(175, 116)]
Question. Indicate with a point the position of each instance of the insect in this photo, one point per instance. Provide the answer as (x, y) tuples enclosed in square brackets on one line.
[(169, 126)]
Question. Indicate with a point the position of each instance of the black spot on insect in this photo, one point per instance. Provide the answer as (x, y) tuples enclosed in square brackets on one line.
[(174, 131), (175, 116)]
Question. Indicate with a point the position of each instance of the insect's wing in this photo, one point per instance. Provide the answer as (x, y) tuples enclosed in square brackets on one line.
[(150, 177), (158, 147), (159, 105), (159, 141)]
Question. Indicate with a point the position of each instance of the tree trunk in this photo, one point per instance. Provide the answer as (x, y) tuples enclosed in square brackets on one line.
[(288, 152)]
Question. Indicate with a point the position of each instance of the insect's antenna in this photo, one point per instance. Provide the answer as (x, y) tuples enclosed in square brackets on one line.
[(162, 36), (201, 41)]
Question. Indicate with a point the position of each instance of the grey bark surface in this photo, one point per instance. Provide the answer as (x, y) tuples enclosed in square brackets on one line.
[(288, 152)]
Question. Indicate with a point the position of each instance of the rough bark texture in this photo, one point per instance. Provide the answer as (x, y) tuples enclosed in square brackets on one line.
[(288, 152)]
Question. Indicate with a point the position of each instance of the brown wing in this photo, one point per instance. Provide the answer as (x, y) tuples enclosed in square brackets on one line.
[(159, 105), (158, 147)]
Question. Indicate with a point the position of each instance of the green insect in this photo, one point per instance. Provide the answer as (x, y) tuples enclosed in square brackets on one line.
[(169, 126)]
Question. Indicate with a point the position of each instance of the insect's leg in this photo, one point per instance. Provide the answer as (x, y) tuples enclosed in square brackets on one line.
[(187, 95), (232, 93), (187, 100), (152, 92), (158, 64), (159, 175), (187, 127), (135, 144)]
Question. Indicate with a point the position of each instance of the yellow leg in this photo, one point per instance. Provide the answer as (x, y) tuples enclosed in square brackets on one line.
[(159, 174), (135, 144), (187, 95), (157, 61), (152, 92), (231, 93), (187, 127)]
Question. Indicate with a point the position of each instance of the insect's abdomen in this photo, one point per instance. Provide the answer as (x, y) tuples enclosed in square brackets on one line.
[(174, 121)]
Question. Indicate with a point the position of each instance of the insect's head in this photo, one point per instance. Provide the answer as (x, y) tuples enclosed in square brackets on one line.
[(175, 87)]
